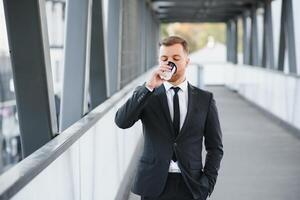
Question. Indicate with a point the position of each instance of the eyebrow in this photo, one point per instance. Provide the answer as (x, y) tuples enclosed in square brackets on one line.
[(171, 56)]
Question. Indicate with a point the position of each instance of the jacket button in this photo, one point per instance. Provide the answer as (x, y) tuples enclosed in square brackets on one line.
[(175, 144)]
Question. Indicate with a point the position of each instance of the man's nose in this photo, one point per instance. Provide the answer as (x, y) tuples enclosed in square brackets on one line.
[(170, 60)]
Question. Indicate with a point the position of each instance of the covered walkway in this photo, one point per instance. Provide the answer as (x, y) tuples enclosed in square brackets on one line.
[(70, 64)]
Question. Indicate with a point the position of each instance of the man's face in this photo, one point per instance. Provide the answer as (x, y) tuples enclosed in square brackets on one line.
[(176, 54)]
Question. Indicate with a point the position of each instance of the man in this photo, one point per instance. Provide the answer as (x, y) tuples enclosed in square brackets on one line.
[(176, 116)]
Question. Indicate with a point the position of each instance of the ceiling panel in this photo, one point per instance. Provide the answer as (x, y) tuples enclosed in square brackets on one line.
[(200, 10)]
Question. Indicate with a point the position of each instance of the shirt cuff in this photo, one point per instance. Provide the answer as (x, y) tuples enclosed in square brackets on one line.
[(151, 90)]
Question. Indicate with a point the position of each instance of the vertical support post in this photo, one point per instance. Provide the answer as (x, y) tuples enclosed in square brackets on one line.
[(120, 44), (228, 40), (254, 38), (143, 10), (30, 56), (268, 42), (291, 44), (232, 41), (246, 46), (149, 51), (98, 82), (72, 102), (155, 45), (282, 44), (112, 44), (200, 76), (235, 41), (287, 37)]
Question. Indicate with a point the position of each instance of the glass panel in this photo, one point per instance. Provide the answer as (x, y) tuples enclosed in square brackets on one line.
[(55, 12), (10, 143)]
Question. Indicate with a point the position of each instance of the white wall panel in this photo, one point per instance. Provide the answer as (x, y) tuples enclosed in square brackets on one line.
[(62, 176), (274, 91)]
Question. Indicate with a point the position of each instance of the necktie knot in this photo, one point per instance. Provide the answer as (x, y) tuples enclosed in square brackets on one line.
[(176, 89)]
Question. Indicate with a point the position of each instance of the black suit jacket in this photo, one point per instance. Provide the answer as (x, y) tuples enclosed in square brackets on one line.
[(159, 140)]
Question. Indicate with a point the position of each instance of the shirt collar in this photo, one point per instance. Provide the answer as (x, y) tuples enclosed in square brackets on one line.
[(182, 86)]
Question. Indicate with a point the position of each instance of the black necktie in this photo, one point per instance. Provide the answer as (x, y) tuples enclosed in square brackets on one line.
[(176, 116)]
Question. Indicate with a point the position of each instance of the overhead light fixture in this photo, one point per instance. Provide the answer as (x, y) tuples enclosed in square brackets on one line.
[(157, 4)]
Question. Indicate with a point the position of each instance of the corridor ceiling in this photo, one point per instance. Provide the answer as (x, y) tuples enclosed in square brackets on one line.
[(200, 10)]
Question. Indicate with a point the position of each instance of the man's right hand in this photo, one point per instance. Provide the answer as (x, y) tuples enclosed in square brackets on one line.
[(155, 79)]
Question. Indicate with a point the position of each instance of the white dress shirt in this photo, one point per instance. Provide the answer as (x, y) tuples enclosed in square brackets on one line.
[(183, 104)]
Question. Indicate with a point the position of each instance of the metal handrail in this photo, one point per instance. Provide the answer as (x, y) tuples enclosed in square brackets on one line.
[(274, 71)]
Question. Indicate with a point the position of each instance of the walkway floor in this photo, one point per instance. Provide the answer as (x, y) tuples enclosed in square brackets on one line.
[(261, 159)]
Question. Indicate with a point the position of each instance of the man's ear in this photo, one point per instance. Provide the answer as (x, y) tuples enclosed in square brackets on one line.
[(187, 61)]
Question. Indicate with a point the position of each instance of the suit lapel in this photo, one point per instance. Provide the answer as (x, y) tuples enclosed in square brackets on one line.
[(191, 99), (161, 93)]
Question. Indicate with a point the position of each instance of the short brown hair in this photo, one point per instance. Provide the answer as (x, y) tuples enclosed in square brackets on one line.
[(171, 40)]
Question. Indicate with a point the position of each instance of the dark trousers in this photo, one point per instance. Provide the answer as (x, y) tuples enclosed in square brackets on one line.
[(175, 189)]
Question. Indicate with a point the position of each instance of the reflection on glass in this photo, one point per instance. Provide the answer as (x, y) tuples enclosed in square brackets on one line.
[(55, 13)]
